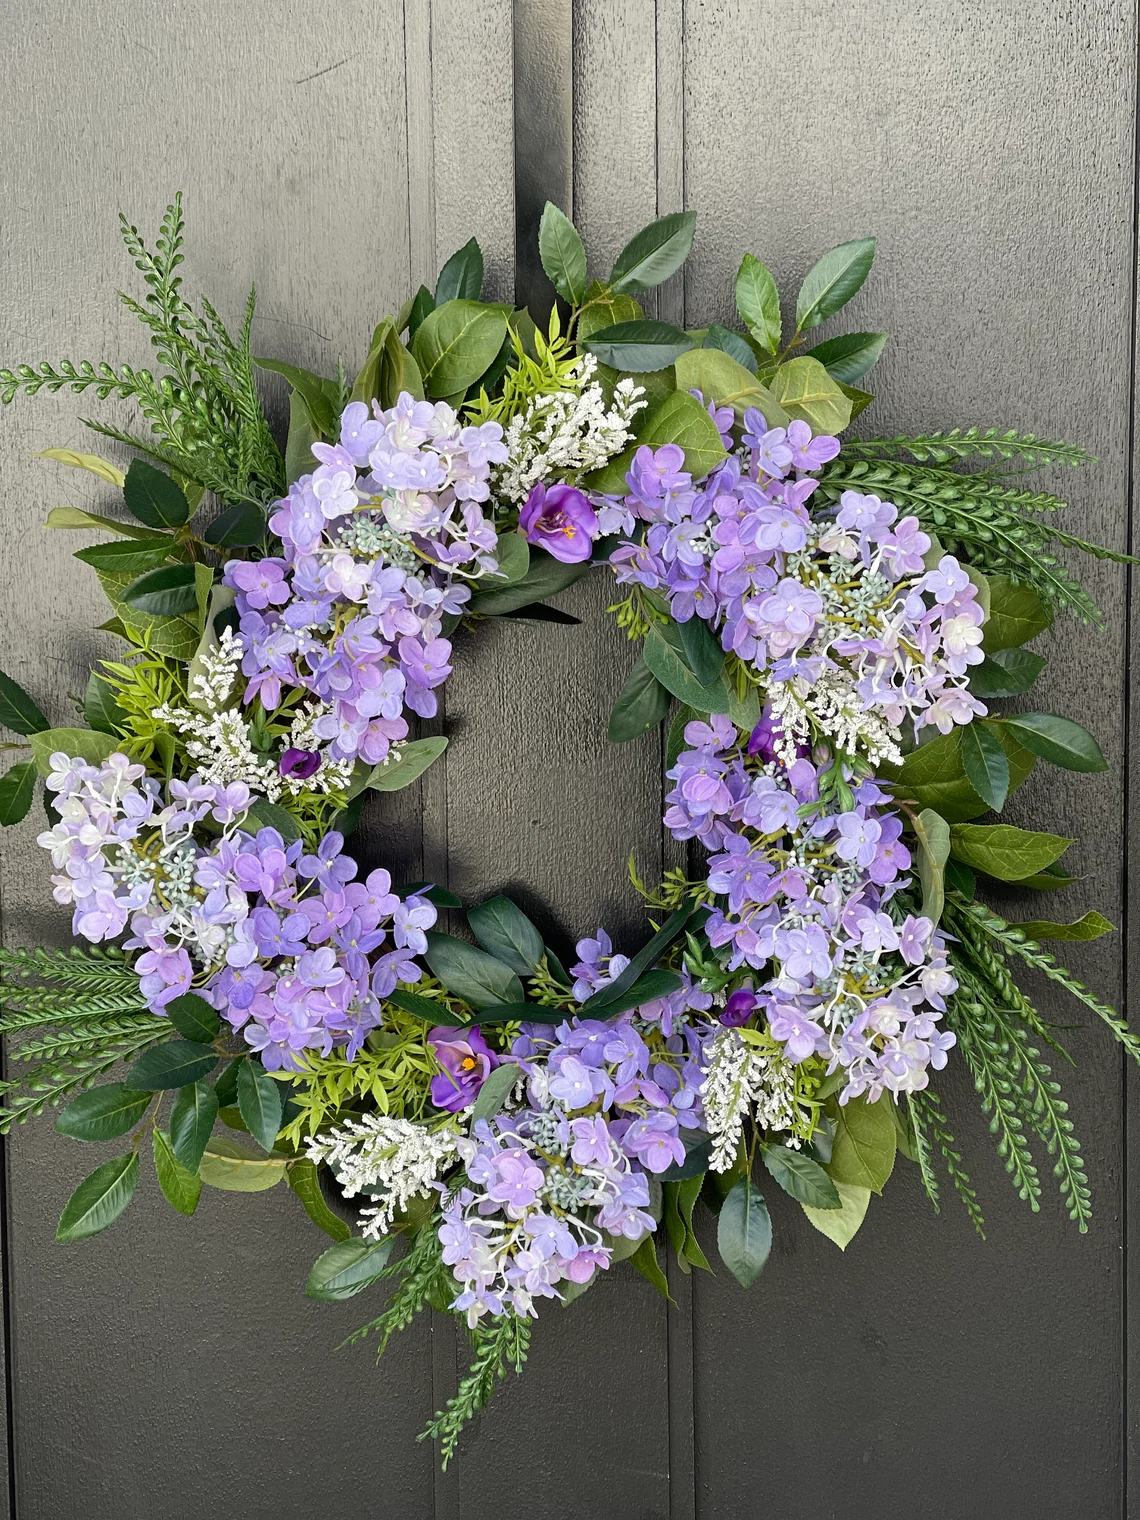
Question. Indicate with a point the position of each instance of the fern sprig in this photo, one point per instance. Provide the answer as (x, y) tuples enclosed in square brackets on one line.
[(927, 1113), (971, 442), (502, 1344)]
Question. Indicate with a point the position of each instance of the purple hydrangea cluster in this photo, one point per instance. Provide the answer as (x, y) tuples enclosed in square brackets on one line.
[(288, 946), (375, 545), (804, 890)]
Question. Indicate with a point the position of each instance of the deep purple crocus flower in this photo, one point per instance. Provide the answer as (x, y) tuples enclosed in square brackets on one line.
[(300, 763), (738, 1009), (467, 1063), (762, 740), (560, 520)]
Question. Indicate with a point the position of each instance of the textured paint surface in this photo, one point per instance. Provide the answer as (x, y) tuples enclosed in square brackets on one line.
[(173, 1367)]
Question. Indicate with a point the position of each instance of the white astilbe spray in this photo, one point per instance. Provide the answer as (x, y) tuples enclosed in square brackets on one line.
[(743, 1079), (376, 1153), (567, 433)]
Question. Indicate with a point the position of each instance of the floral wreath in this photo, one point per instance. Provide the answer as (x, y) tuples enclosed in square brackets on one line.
[(828, 625)]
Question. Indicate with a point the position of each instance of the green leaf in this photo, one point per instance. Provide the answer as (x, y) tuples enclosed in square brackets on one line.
[(299, 459), (655, 253), (495, 1091), (315, 391), (423, 304), (676, 741), (932, 834), (863, 1153), (985, 764), (744, 1232), (603, 309), (454, 345), (79, 743), (719, 378), (127, 556), (17, 789), (663, 654), (651, 951), (860, 400), (408, 765), (1047, 880), (732, 344), (841, 1225), (644, 1259), (1091, 926), (1017, 614), (1006, 673), (99, 1199), (100, 707), (233, 1169), (74, 518), (259, 1103), (512, 554), (303, 1177), (192, 1119), (103, 1113), (181, 1188), (428, 1009), (505, 932), (849, 357), (268, 815), (238, 527), (1002, 851), (473, 975), (646, 989), (806, 391), (758, 302), (679, 418), (933, 775), (640, 706), (346, 1269), (832, 282), (193, 1018), (152, 497), (167, 592), (698, 1153), (94, 464), (175, 1064), (546, 577), (17, 710), (1058, 740), (563, 254), (175, 637), (802, 1177), (639, 345), (703, 654), (461, 278)]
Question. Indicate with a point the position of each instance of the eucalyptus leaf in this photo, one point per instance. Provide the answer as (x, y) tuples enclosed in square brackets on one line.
[(805, 390), (504, 931), (744, 1232), (720, 378), (679, 418), (473, 975), (641, 704), (99, 1199)]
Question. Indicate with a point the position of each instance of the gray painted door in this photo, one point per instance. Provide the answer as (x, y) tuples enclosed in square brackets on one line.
[(335, 154)]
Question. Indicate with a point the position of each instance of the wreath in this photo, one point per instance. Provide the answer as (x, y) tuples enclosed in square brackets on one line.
[(829, 626)]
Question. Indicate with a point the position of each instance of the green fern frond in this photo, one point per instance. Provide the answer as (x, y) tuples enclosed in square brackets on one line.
[(502, 1344), (90, 967), (971, 442), (995, 1077), (927, 1113)]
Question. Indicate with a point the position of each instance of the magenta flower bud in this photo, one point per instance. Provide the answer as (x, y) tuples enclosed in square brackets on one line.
[(300, 763), (739, 1008), (560, 520)]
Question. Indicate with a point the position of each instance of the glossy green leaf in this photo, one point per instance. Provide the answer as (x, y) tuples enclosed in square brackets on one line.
[(100, 706), (346, 1269), (720, 378), (103, 1113), (423, 304), (744, 1232), (99, 1199), (733, 344), (933, 775), (234, 1169), (473, 975), (641, 704), (192, 1117), (603, 308), (428, 1009), (76, 519), (546, 576), (644, 1260), (17, 710), (1091, 926), (1060, 741), (304, 1179), (985, 765), (495, 1091), (806, 391), (128, 556), (832, 281), (504, 931), (676, 741), (649, 953), (238, 527), (318, 394), (461, 278), (841, 1225), (405, 765), (639, 345), (193, 1018), (863, 1151), (663, 655), (269, 815), (1017, 614), (168, 592), (81, 743), (932, 836), (849, 357), (175, 1064), (563, 254), (512, 555), (180, 1187), (698, 1153), (303, 433), (455, 344), (1006, 673), (655, 253), (1004, 852), (648, 987), (702, 651), (803, 1178), (17, 789), (860, 400), (758, 302), (259, 1102), (152, 497)]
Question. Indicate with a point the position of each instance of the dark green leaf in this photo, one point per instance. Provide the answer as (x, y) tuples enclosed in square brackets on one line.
[(1091, 926), (167, 592), (17, 789), (664, 655), (512, 555), (428, 1009), (175, 1064), (744, 1232), (303, 433), (127, 556), (461, 278), (259, 1103), (473, 975), (1058, 740), (99, 1199), (646, 989), (180, 1187), (505, 932), (347, 1269), (644, 1258), (932, 835), (440, 896), (860, 400), (192, 1119), (303, 1177), (422, 306), (455, 344), (863, 1153), (406, 765), (193, 1018), (538, 612), (1017, 614), (733, 344), (698, 1150), (832, 282), (103, 1113), (238, 527), (1006, 673), (225, 1088), (641, 962), (517, 1013), (758, 302), (100, 707), (640, 706), (655, 253), (676, 741), (17, 710), (703, 654), (985, 764), (849, 357), (933, 776), (546, 577), (153, 497), (495, 1091), (961, 878), (315, 391), (563, 254), (640, 345), (1004, 852), (802, 1177), (268, 815)]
